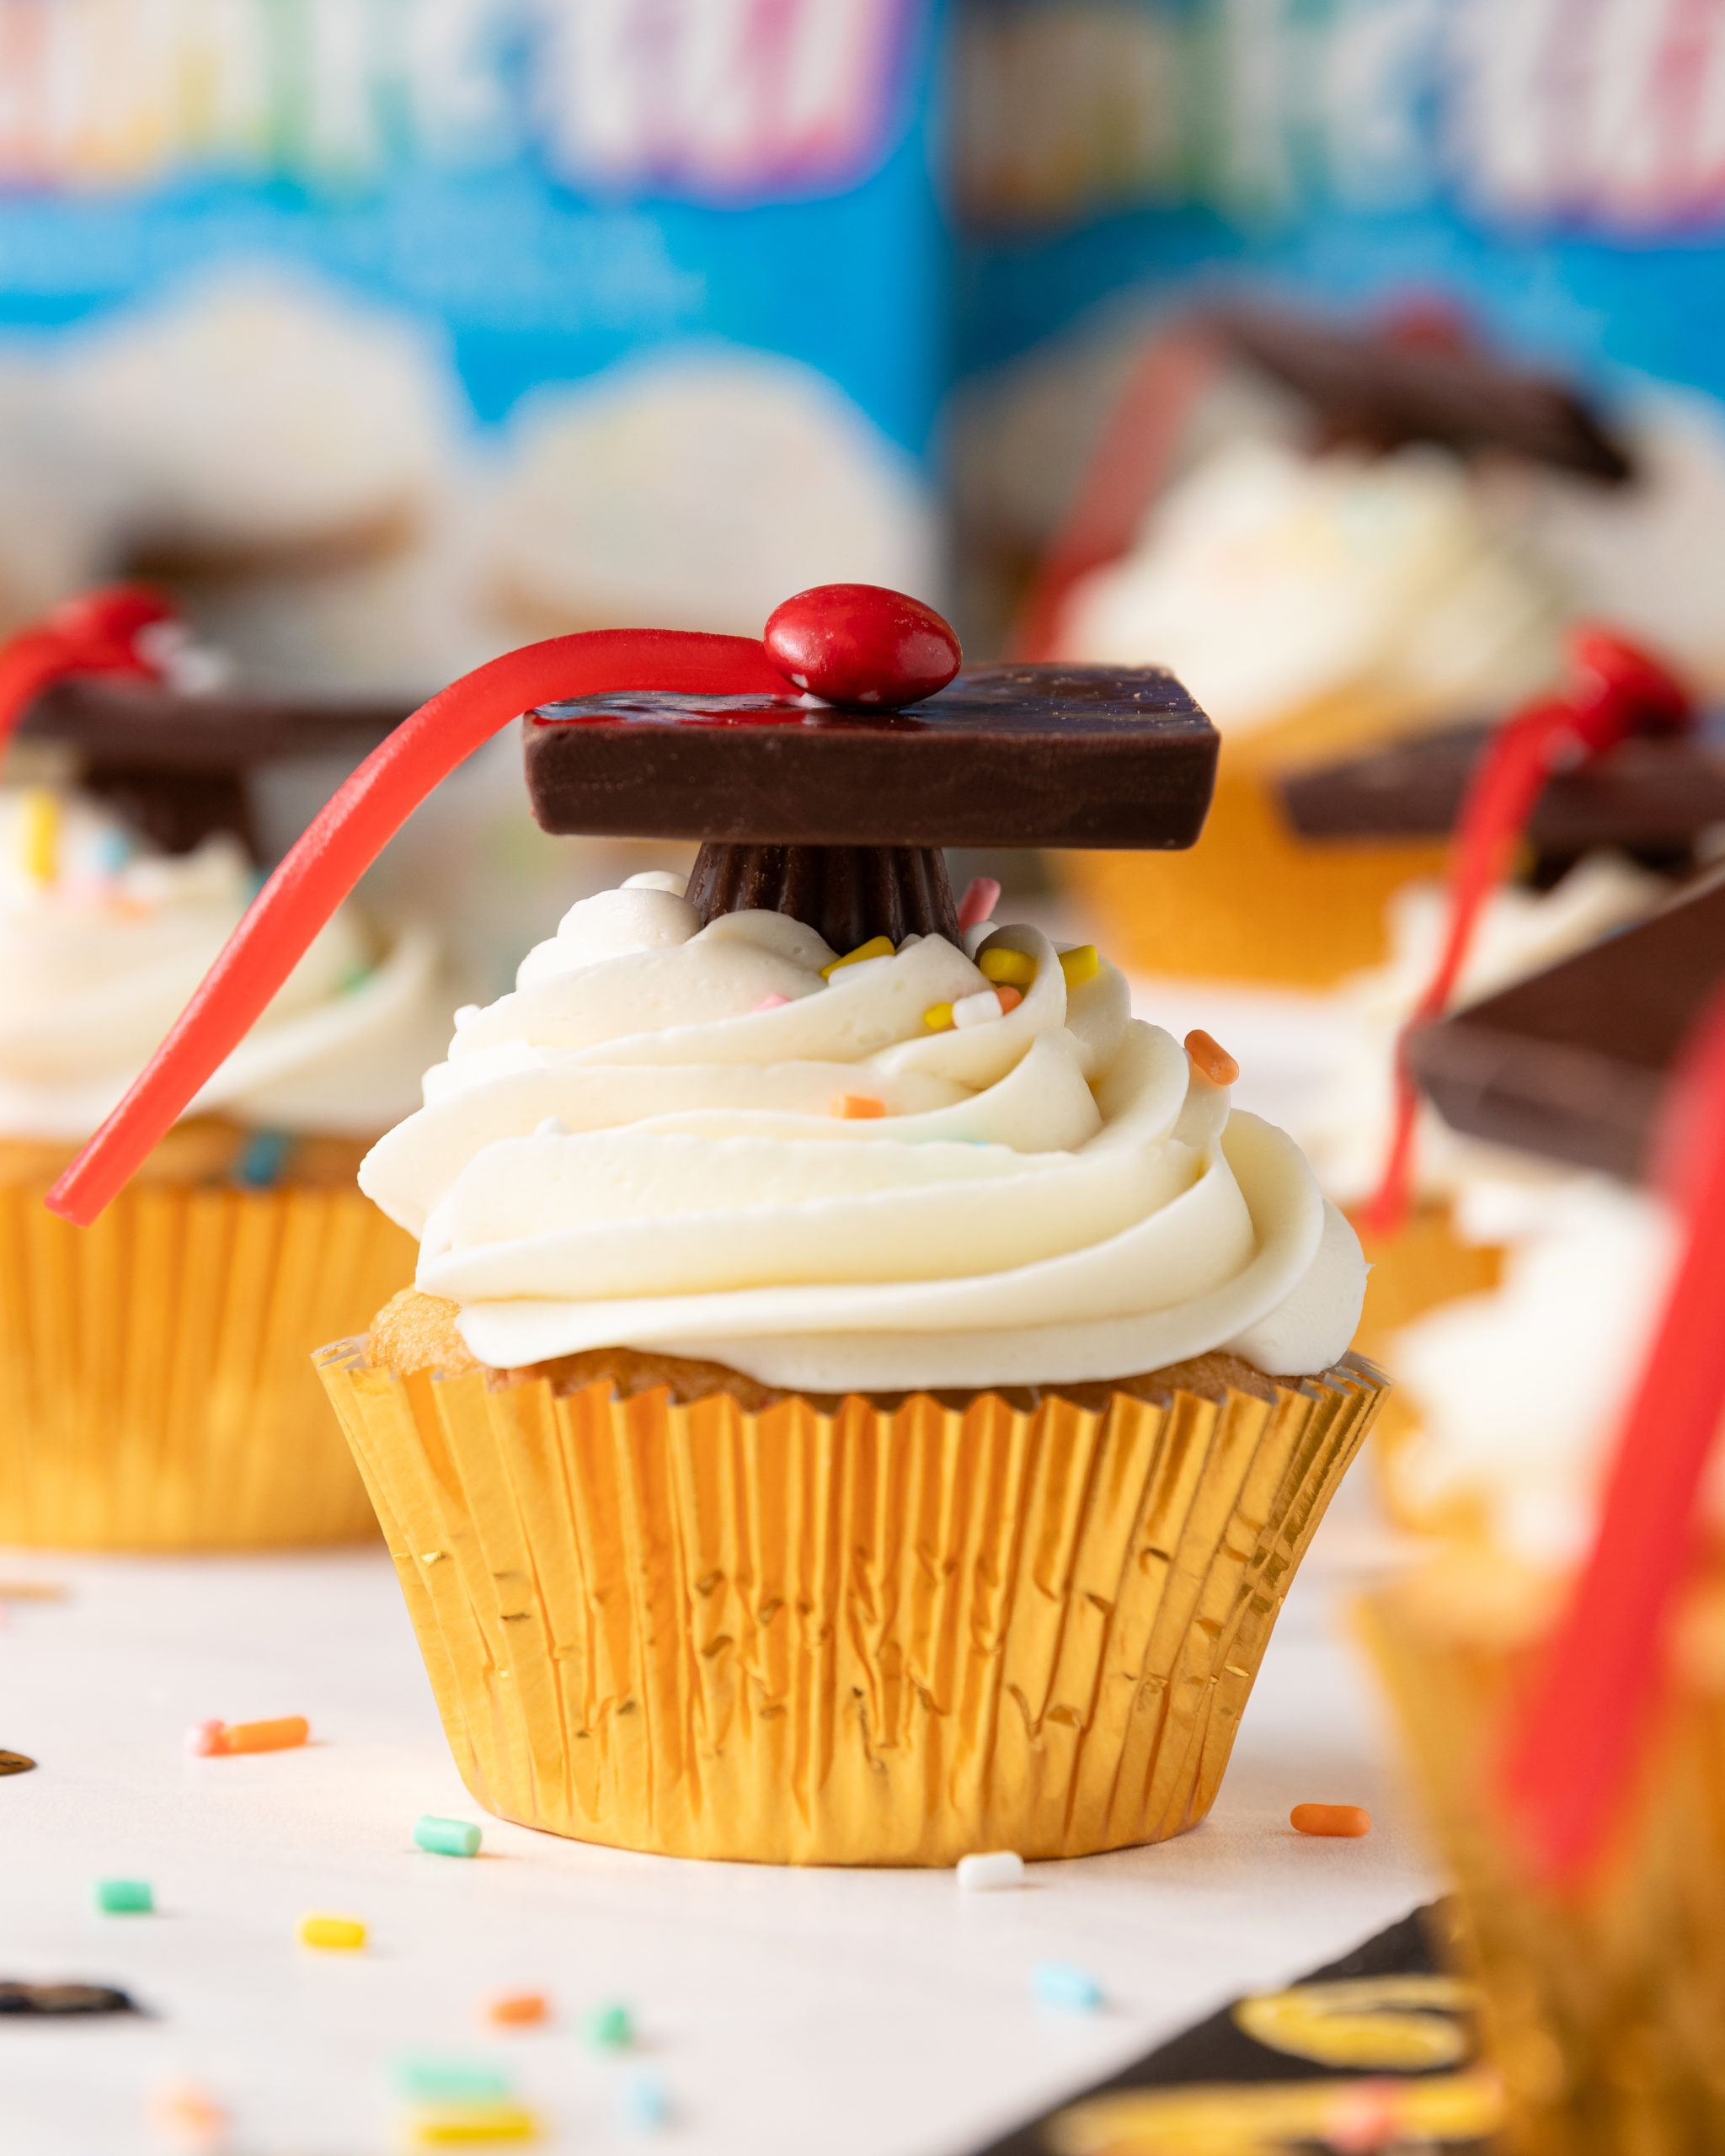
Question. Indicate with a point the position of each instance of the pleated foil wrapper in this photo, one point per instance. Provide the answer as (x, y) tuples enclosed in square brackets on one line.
[(868, 1635), (156, 1387), (1604, 2006)]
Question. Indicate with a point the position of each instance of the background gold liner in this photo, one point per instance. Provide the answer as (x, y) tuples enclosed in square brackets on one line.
[(868, 1636), (1605, 2012), (155, 1367)]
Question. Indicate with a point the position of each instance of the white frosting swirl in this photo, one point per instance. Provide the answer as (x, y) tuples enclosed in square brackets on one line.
[(101, 946), (639, 1148)]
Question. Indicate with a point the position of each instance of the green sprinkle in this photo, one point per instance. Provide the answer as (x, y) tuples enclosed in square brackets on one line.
[(610, 2029), (446, 1837), (125, 1897), (451, 2081)]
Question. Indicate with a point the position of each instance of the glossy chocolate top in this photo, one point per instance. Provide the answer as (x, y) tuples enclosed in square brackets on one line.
[(1381, 390), (1571, 1063), (1646, 795), (1006, 755)]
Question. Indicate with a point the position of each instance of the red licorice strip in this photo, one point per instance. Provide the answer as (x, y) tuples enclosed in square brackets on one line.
[(1614, 688), (349, 834), (95, 634), (1571, 1754)]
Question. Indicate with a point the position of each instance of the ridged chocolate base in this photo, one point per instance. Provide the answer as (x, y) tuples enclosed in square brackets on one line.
[(847, 892)]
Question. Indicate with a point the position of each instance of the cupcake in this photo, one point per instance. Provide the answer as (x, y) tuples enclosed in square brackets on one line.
[(854, 1407), (1335, 534), (158, 1395), (1560, 1669), (863, 1396)]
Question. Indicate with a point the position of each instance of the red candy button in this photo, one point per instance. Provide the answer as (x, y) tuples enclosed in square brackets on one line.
[(861, 645)]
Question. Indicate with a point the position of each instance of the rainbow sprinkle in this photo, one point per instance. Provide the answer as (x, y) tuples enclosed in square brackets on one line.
[(876, 947), (1006, 967), (41, 834)]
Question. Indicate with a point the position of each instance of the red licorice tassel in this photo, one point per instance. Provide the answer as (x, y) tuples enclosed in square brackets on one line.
[(349, 834), (1615, 688), (1568, 1765), (97, 633)]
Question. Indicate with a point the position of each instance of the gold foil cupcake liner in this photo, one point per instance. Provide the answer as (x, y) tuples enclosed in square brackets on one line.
[(1604, 2009), (870, 1636), (154, 1368)]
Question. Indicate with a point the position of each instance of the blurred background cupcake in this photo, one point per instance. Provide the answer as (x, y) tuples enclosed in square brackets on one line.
[(156, 1375), (1596, 1944)]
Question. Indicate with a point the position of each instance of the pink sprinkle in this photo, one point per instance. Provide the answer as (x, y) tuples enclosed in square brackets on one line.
[(771, 1003), (207, 1740), (982, 894)]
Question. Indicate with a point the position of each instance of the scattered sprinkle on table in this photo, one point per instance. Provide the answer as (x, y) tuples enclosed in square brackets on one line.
[(991, 1871), (332, 1934), (16, 1763), (645, 2103), (471, 2125), (453, 2080), (1346, 1822), (1060, 1984), (126, 1897), (1210, 1059), (446, 1837), (213, 1740), (517, 2010), (610, 2028), (188, 2117)]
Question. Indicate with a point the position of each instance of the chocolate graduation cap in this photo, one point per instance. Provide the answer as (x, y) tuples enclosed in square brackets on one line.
[(824, 766), (1420, 378), (1573, 1063), (1652, 796), (98, 676)]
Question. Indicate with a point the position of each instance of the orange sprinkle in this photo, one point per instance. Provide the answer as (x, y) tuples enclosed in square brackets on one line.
[(853, 1106), (1212, 1058), (1347, 1821), (517, 2010), (280, 1735), (1009, 998)]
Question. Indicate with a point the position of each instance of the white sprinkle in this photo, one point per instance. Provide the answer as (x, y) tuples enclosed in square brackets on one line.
[(912, 938), (465, 1017), (860, 969), (801, 681), (553, 1127), (977, 1010), (991, 1872)]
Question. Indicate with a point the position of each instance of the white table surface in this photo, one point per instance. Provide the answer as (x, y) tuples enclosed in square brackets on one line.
[(865, 2012), (854, 2014)]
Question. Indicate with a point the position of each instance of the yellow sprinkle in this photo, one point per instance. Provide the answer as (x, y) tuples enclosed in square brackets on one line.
[(1079, 964), (938, 1017), (335, 1935), (470, 2123), (41, 834), (1015, 969), (876, 947)]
